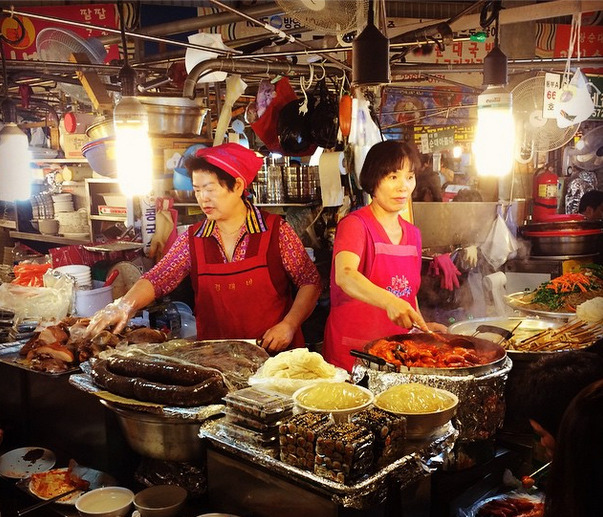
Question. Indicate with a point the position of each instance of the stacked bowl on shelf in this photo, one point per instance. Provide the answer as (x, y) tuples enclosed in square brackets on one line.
[(81, 273)]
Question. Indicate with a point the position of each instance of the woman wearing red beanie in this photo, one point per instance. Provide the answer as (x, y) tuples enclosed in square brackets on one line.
[(245, 264)]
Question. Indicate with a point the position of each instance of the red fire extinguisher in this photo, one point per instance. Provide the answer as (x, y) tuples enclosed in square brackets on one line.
[(544, 195)]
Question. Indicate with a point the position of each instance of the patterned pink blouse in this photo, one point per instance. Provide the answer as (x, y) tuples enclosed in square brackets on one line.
[(176, 264)]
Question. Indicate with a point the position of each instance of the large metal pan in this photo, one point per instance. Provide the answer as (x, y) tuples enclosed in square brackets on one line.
[(493, 353)]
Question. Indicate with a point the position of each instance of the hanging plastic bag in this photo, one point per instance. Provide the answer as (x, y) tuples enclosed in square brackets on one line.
[(294, 128), (235, 87), (575, 103), (195, 56), (265, 127), (324, 120), (499, 243)]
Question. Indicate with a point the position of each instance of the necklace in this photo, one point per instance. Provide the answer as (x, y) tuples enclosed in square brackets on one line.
[(230, 233)]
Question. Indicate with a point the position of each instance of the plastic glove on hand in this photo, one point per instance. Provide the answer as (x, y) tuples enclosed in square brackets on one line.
[(449, 272), (117, 313)]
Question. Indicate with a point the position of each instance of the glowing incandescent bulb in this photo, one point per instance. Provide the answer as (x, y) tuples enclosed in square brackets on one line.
[(133, 151), (495, 132)]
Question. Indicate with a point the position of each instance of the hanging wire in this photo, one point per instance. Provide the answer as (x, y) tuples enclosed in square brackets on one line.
[(122, 27)]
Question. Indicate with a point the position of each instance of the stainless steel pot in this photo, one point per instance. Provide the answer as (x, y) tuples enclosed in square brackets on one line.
[(158, 437), (565, 245), (174, 115)]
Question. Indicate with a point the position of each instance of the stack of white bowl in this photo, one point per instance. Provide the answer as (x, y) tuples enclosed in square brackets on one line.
[(63, 202), (81, 273)]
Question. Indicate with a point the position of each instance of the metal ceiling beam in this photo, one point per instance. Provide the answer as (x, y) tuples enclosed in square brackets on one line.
[(523, 13), (201, 22), (245, 67), (513, 65)]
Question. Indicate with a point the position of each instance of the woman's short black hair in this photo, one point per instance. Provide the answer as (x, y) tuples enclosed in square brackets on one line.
[(592, 199), (195, 164), (386, 157)]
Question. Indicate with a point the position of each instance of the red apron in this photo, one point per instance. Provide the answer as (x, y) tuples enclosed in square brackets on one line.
[(243, 299), (397, 268)]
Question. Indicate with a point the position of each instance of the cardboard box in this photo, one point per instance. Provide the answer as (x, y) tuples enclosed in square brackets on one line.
[(72, 144)]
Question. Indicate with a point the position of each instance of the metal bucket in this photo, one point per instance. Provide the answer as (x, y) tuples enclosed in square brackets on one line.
[(174, 115), (158, 437)]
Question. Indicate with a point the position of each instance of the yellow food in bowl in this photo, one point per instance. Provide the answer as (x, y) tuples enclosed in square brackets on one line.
[(332, 396), (414, 398)]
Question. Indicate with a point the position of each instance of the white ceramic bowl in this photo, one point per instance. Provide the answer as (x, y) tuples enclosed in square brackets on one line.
[(48, 226), (110, 501), (160, 501), (340, 399)]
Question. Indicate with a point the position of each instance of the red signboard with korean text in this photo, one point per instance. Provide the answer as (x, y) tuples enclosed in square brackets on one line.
[(104, 15)]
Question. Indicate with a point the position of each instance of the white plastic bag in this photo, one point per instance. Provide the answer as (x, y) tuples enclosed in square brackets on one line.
[(195, 56), (499, 244)]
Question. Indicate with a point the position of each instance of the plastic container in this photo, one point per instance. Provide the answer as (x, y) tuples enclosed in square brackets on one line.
[(248, 436), (258, 404), (251, 423), (88, 302)]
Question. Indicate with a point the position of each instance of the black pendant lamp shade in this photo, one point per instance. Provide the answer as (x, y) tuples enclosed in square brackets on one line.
[(370, 56), (495, 67)]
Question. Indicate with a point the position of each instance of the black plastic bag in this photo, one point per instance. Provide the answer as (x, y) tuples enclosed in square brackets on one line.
[(293, 129), (325, 117)]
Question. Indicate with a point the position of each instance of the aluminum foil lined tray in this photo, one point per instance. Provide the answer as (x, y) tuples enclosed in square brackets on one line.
[(481, 408), (420, 461), (84, 382), (9, 354)]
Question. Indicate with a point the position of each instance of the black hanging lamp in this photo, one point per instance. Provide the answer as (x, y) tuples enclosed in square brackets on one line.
[(370, 55)]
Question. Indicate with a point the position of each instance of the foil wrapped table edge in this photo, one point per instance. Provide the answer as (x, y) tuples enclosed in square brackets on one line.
[(370, 491)]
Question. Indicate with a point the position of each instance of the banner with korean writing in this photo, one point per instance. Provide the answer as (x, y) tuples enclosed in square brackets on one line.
[(438, 138), (596, 90), (102, 15)]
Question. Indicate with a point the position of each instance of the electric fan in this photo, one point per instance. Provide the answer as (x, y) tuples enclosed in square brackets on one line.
[(338, 18), (588, 152), (56, 44), (534, 132)]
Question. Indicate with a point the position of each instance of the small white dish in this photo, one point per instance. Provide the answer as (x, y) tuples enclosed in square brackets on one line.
[(23, 462)]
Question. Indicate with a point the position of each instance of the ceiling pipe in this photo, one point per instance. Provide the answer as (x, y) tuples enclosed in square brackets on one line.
[(117, 31), (514, 65), (245, 67), (201, 22), (273, 30)]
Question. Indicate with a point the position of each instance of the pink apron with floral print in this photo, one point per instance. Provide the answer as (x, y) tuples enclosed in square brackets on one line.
[(397, 268)]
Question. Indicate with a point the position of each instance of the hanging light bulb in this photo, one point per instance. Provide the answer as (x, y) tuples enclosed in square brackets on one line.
[(495, 132), (133, 153), (15, 157)]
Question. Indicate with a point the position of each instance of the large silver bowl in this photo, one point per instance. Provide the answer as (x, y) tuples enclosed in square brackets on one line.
[(174, 115), (158, 437), (565, 245)]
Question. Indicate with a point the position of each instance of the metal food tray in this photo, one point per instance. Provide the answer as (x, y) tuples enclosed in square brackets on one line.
[(114, 246), (513, 300), (9, 354), (422, 458)]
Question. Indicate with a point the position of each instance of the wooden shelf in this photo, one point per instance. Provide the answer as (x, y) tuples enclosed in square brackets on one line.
[(107, 217), (60, 160), (39, 237), (11, 225)]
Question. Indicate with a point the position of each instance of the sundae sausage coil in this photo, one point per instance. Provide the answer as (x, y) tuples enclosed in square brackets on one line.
[(210, 388), (159, 371)]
